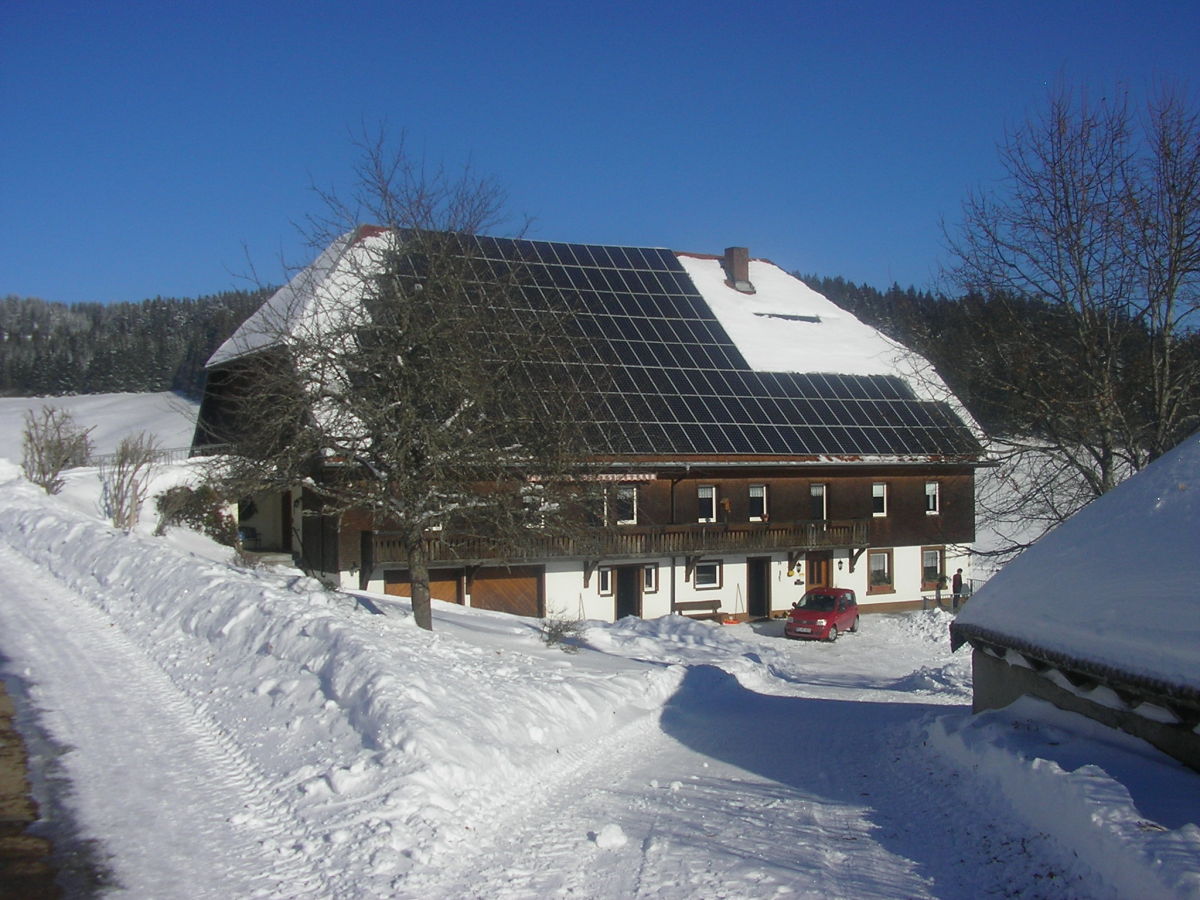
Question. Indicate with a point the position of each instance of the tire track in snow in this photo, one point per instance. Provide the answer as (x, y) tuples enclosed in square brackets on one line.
[(691, 825), (739, 794), (239, 836)]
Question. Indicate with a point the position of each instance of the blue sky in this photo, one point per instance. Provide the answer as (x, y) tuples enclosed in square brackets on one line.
[(162, 148)]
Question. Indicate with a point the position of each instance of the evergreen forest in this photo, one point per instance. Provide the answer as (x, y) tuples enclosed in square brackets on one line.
[(161, 344)]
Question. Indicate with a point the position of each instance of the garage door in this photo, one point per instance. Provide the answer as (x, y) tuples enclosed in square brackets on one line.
[(443, 584), (516, 590)]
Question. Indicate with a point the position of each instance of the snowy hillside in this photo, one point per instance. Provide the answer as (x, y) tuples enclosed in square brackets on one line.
[(212, 731), (170, 417)]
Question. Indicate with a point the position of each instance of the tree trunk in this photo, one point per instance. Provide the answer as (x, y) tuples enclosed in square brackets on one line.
[(418, 573)]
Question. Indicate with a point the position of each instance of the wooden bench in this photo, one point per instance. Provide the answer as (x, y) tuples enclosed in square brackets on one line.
[(698, 609)]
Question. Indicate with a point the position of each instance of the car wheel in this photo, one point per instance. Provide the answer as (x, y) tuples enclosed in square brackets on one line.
[(854, 627), (833, 633)]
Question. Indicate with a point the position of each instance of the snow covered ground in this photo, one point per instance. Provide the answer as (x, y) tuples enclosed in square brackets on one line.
[(203, 730), (169, 417)]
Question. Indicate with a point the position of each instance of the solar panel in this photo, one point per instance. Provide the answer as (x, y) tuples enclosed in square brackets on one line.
[(676, 382)]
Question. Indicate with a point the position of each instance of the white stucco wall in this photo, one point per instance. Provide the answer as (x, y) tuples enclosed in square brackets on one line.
[(906, 577), (566, 594), (568, 597)]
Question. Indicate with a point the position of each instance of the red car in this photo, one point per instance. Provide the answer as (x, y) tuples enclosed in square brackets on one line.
[(822, 614)]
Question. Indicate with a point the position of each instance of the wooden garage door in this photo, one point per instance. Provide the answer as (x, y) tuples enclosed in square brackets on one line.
[(443, 584), (516, 590)]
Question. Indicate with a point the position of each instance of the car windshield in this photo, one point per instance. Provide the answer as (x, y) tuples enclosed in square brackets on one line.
[(818, 602)]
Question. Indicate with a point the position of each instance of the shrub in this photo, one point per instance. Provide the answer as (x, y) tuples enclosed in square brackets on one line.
[(201, 509), (563, 633), (126, 478), (50, 444)]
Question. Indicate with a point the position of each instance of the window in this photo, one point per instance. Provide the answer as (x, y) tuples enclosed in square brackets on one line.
[(933, 567), (816, 502), (650, 578), (604, 582), (879, 499), (706, 503), (933, 498), (758, 503), (879, 572), (707, 575), (625, 504), (596, 509)]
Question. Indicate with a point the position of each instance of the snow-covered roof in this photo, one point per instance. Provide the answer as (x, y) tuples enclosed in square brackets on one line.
[(702, 367), (1113, 589), (786, 326), (301, 303)]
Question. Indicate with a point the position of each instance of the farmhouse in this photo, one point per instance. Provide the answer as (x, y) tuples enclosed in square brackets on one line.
[(756, 440), (1101, 616)]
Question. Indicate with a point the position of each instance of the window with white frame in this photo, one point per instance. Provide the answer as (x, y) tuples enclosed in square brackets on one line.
[(879, 499), (604, 582), (758, 503), (706, 503), (933, 567), (624, 509), (707, 576), (817, 511), (650, 578), (879, 572), (933, 498)]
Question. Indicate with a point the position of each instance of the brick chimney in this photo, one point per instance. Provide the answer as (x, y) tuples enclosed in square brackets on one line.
[(737, 269)]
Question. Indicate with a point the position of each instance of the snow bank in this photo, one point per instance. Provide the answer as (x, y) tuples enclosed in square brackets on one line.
[(1089, 814), (397, 743), (404, 760)]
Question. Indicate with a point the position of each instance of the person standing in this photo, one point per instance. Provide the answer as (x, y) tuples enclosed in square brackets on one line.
[(956, 585)]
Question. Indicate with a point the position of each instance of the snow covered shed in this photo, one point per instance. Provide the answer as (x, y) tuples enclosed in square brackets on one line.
[(759, 440), (1102, 615)]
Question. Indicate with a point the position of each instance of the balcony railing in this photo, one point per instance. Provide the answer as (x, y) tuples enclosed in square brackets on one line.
[(636, 541)]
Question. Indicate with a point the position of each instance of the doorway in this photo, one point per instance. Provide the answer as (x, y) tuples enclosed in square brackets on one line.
[(758, 587), (818, 570), (627, 591)]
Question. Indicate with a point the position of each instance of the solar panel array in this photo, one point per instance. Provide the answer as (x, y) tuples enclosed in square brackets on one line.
[(678, 385)]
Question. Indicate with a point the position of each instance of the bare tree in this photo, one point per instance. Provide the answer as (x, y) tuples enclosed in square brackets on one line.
[(126, 477), (1164, 206), (414, 379), (1089, 257), (50, 444)]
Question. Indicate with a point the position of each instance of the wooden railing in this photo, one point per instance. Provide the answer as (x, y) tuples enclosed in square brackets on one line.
[(635, 541)]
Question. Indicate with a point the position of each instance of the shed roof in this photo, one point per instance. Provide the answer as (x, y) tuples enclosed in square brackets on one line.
[(1112, 591)]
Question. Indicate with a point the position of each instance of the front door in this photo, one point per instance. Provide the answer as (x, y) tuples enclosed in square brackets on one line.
[(817, 570), (758, 587), (627, 591)]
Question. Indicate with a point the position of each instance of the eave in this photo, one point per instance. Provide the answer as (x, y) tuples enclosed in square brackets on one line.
[(1084, 674)]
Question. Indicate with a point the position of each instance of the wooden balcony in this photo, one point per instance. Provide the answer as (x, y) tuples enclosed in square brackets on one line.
[(641, 541)]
